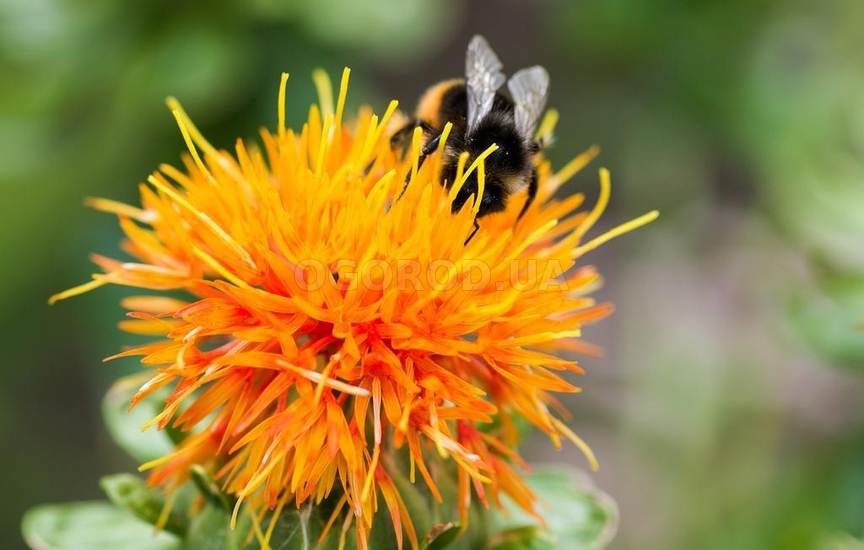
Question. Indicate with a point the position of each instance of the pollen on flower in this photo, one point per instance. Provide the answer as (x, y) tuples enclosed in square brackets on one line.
[(336, 319)]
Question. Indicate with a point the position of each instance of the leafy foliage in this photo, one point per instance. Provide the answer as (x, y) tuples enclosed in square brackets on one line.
[(578, 516), (89, 525)]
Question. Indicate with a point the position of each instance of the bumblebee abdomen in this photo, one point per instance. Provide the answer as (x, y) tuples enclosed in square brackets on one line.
[(445, 102)]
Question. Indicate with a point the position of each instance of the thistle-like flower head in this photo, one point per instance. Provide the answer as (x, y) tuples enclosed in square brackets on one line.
[(335, 319)]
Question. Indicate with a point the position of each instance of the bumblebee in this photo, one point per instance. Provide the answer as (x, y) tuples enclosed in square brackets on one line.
[(482, 116)]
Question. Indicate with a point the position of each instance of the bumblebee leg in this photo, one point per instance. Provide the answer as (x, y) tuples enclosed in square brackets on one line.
[(471, 236), (427, 149), (532, 192), (401, 138), (431, 145)]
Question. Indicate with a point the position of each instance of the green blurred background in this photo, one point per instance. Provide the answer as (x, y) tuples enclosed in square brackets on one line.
[(725, 413)]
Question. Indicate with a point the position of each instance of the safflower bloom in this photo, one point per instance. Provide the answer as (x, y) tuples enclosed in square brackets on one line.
[(336, 316)]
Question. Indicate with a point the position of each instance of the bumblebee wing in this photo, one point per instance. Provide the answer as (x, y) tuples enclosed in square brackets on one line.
[(483, 77), (529, 89)]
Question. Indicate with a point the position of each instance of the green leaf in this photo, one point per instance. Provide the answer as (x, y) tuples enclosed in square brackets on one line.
[(428, 515), (578, 515), (210, 529), (530, 537), (125, 425), (89, 526), (442, 536), (294, 530), (133, 494), (300, 530), (209, 487)]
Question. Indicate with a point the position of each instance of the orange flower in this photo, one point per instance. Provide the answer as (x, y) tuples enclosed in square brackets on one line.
[(331, 323)]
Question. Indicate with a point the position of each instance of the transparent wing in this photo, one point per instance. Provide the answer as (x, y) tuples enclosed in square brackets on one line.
[(529, 88), (483, 77)]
